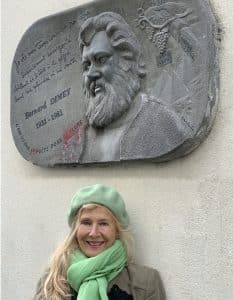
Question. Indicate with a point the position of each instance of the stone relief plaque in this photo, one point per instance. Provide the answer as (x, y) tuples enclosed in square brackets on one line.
[(116, 81)]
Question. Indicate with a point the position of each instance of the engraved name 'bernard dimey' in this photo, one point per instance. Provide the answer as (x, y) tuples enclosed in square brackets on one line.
[(122, 122)]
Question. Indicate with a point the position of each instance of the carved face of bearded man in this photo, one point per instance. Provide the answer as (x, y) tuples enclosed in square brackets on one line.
[(108, 86)]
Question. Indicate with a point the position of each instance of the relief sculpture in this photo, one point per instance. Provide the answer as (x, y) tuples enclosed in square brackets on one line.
[(111, 86)]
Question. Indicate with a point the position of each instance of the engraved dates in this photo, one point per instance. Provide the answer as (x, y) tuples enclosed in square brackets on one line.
[(57, 114), (53, 116), (41, 123)]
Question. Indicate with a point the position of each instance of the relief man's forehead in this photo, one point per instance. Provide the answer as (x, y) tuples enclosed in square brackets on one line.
[(100, 43)]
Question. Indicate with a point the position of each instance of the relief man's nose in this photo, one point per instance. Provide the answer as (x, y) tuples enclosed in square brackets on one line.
[(93, 73)]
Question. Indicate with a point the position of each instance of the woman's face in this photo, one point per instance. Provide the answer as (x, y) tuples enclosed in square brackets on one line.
[(96, 230)]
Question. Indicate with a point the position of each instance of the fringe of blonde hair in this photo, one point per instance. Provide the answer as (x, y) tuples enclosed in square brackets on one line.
[(56, 285)]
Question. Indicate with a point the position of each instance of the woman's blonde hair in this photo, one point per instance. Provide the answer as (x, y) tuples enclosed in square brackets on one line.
[(55, 284)]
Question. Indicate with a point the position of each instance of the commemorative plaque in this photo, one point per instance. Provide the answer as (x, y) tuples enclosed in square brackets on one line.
[(116, 81)]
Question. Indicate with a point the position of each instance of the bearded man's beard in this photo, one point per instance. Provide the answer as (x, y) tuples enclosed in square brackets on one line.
[(113, 100)]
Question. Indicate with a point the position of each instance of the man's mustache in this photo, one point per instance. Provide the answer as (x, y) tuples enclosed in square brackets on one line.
[(94, 87)]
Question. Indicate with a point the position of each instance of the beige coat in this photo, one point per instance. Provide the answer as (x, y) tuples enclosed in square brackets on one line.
[(141, 282)]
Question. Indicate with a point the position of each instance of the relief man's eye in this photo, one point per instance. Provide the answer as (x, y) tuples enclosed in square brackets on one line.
[(102, 59), (86, 65)]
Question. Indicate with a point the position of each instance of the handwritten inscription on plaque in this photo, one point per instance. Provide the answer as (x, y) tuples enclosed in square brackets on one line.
[(49, 59)]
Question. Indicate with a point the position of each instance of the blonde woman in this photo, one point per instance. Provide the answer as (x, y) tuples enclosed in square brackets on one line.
[(94, 262)]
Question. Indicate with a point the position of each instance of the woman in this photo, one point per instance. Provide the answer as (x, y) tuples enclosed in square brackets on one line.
[(94, 262)]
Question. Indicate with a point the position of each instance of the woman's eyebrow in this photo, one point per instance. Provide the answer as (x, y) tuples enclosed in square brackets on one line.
[(85, 219)]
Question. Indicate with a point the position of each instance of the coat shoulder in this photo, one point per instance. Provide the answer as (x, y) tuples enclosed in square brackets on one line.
[(148, 280), (142, 275)]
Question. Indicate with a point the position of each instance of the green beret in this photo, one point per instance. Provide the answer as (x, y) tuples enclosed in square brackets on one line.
[(103, 195)]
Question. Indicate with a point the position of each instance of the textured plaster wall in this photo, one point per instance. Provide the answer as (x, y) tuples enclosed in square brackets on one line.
[(181, 211)]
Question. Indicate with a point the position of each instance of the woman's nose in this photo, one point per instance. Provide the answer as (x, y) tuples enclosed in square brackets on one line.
[(94, 230)]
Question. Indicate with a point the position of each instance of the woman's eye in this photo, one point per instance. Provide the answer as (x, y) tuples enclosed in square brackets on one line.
[(104, 224), (85, 222)]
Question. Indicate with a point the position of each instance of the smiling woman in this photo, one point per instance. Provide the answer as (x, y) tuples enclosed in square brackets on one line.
[(94, 262), (96, 229)]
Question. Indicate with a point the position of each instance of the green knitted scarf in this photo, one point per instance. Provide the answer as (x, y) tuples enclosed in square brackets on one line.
[(89, 277)]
